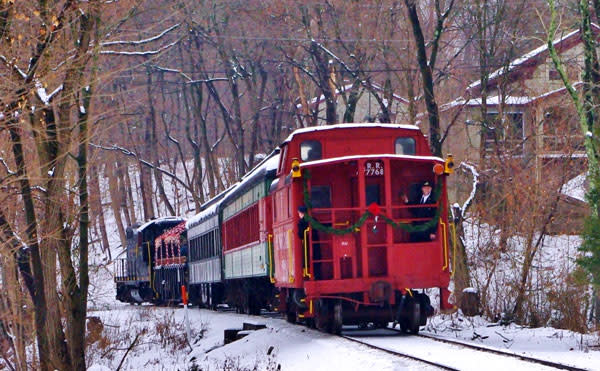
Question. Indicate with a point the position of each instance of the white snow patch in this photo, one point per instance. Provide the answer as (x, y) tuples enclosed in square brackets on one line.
[(490, 101), (41, 92), (575, 187)]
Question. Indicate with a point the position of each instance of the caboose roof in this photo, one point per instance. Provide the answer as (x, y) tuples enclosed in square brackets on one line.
[(334, 160), (347, 126)]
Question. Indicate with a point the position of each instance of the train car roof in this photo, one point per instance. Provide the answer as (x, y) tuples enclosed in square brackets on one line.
[(208, 209), (266, 167), (158, 221), (376, 156), (347, 126)]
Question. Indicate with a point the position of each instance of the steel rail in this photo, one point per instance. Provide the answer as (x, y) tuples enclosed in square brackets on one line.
[(400, 354), (559, 366)]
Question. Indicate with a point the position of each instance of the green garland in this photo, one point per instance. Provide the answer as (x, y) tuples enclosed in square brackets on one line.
[(315, 224)]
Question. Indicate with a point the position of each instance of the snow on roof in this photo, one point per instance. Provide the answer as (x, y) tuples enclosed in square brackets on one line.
[(528, 57), (158, 220), (508, 100), (524, 59), (490, 101), (556, 91), (269, 164), (377, 156), (348, 126), (575, 187), (206, 213)]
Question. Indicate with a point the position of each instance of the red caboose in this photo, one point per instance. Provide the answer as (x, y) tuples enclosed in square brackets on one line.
[(367, 251)]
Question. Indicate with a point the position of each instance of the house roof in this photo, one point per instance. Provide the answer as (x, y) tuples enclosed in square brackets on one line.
[(507, 100), (490, 101), (531, 59)]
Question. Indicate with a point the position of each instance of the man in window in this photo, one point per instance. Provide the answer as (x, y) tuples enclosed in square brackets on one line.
[(426, 198)]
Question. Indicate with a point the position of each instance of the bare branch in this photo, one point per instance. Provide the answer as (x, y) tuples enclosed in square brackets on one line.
[(142, 53), (143, 41), (129, 153)]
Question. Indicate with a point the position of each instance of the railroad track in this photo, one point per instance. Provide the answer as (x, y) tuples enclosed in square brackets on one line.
[(462, 356), (400, 354), (556, 365)]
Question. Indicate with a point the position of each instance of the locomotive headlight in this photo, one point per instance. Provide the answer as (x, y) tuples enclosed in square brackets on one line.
[(449, 164), (296, 172)]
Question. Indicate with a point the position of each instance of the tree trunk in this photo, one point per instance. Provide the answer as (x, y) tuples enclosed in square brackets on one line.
[(97, 209), (154, 146), (120, 173), (34, 274), (146, 180), (115, 198), (426, 67)]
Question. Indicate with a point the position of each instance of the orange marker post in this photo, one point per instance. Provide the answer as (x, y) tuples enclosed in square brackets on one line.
[(184, 298)]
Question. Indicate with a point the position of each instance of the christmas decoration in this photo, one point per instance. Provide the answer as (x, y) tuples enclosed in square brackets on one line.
[(373, 210)]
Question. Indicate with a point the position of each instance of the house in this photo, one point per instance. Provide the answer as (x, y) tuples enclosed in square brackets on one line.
[(522, 129), (528, 112), (367, 108)]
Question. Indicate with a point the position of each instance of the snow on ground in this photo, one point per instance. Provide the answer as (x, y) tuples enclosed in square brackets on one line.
[(162, 346), (294, 347), (547, 343)]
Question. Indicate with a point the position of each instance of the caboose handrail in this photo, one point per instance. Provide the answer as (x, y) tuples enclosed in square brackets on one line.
[(270, 248), (453, 232), (305, 242), (445, 244)]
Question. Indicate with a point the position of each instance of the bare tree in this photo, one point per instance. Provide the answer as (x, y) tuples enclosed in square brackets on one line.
[(443, 9)]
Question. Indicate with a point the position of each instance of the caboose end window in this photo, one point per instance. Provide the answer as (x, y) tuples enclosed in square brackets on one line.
[(310, 150), (405, 146)]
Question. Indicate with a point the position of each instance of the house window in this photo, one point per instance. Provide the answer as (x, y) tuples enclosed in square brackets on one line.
[(561, 131), (505, 133), (310, 150), (405, 146)]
